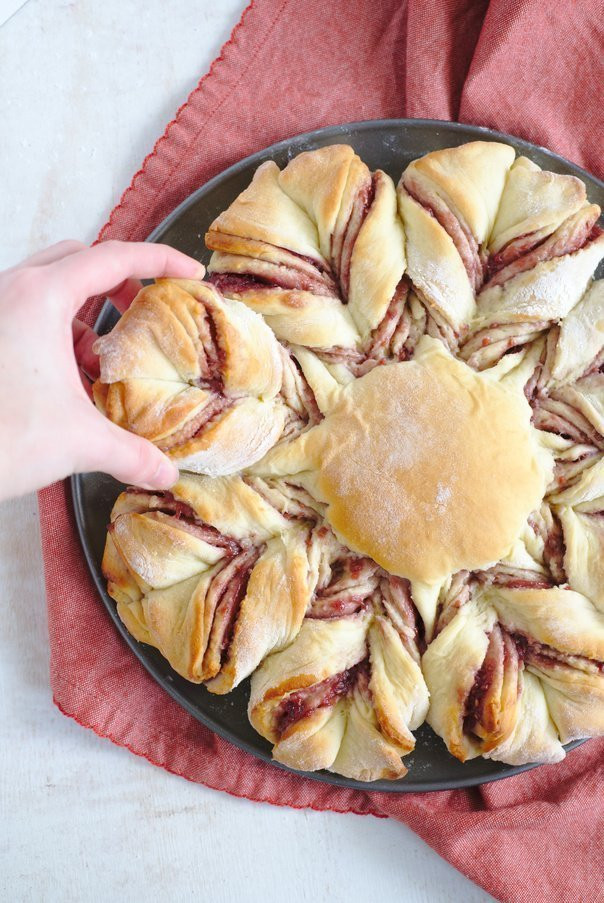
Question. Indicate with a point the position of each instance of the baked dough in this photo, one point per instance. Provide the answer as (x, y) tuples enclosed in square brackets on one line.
[(383, 439), (580, 339), (195, 373), (477, 666), (396, 398), (542, 252), (213, 603), (448, 202), (533, 205), (340, 220), (347, 693)]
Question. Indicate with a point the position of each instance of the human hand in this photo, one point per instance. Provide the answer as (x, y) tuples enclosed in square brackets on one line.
[(49, 427)]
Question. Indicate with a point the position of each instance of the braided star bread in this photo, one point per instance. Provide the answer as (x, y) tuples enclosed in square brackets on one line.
[(387, 405)]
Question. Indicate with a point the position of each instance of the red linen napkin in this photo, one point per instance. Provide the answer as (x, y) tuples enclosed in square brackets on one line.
[(521, 66)]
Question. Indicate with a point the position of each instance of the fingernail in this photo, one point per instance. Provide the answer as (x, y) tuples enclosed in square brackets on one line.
[(199, 272), (165, 476)]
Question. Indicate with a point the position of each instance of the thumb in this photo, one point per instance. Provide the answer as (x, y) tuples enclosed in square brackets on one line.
[(125, 456)]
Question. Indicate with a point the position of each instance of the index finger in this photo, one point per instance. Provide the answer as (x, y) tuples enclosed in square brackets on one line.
[(124, 294), (96, 270)]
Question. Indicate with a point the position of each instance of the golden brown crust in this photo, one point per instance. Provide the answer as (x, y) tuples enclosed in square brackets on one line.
[(121, 582), (295, 316), (534, 737), (366, 753), (557, 636), (160, 335), (558, 617), (450, 665), (219, 449), (534, 203), (231, 506), (356, 725), (314, 742), (469, 179), (264, 212), (171, 575), (358, 257), (316, 181), (251, 362), (194, 373), (321, 649), (395, 676), (378, 259), (433, 264), (151, 408), (278, 593), (385, 441)]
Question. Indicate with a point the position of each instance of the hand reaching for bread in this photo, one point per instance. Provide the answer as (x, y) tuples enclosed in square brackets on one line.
[(50, 428)]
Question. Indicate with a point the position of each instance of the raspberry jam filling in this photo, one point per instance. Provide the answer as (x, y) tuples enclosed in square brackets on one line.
[(325, 608), (400, 608), (302, 703), (184, 516), (381, 336), (542, 656), (520, 583), (230, 588), (555, 416), (290, 500), (387, 341), (515, 578), (458, 594), (352, 583), (212, 360), (229, 283), (514, 250), (569, 473), (289, 277), (318, 265), (212, 357), (278, 277), (338, 355), (360, 208), (520, 255), (495, 688), (297, 393), (495, 685), (196, 425), (554, 551), (475, 701), (458, 232), (263, 250)]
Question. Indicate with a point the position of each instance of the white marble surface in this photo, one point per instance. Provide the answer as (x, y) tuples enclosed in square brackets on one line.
[(86, 89)]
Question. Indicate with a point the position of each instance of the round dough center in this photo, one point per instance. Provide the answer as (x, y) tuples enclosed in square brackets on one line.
[(429, 467)]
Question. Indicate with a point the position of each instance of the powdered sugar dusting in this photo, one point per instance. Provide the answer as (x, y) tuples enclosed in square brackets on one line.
[(408, 466), (443, 494), (549, 291)]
